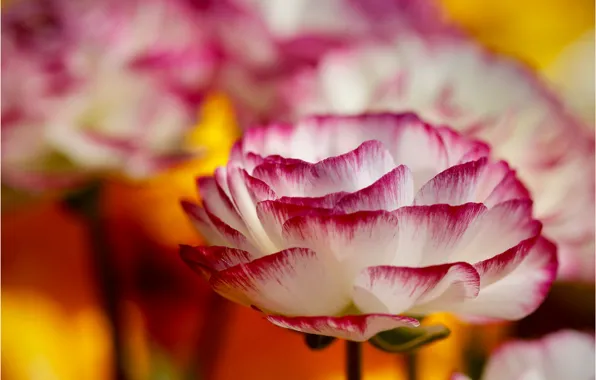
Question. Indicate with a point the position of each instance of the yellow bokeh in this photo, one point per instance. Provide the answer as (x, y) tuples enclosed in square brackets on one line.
[(41, 341), (535, 31), (155, 203)]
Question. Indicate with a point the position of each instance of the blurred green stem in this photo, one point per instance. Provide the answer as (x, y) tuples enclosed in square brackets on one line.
[(411, 366), (87, 204), (353, 360)]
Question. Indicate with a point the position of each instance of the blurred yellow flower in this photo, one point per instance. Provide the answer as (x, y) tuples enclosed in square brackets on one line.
[(52, 323)]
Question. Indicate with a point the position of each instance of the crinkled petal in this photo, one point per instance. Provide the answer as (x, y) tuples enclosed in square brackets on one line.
[(358, 328), (349, 172)]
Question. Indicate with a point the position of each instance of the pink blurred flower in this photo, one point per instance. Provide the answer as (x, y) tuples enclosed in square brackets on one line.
[(98, 86), (455, 82), (559, 356), (348, 226), (265, 40)]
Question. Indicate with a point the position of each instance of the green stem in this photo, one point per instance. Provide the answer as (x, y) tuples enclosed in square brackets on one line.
[(353, 360), (411, 366), (87, 203)]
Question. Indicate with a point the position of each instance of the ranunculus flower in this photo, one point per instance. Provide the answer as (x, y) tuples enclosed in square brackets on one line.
[(351, 225), (265, 40), (98, 86), (559, 356), (455, 82)]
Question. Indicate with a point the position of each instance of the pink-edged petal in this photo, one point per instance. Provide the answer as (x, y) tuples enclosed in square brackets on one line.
[(219, 204), (564, 354), (359, 328), (514, 283), (295, 281), (497, 230), (510, 187), (461, 149), (353, 241), (392, 191), (273, 215), (456, 185), (274, 139), (202, 223), (395, 290), (245, 192), (429, 235), (230, 236), (207, 260), (420, 148), (326, 201), (349, 172)]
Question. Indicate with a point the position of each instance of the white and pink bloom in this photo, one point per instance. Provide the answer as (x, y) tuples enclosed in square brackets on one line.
[(559, 356), (98, 86), (455, 82), (351, 225), (263, 41)]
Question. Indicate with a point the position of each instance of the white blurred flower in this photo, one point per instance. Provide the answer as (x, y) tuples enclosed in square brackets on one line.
[(455, 82), (563, 355)]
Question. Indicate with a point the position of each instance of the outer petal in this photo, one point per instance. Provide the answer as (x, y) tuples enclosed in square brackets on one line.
[(207, 260), (296, 281), (514, 283), (358, 328), (219, 204), (395, 290), (349, 172), (202, 223), (497, 230)]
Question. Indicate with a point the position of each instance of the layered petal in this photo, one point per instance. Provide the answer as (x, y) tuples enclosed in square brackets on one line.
[(514, 283), (359, 328), (296, 281), (395, 290)]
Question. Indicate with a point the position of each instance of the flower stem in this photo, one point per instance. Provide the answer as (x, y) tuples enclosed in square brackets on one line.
[(411, 367), (211, 337), (353, 360), (86, 203)]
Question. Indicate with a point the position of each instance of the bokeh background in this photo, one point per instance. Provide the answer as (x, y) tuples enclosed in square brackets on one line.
[(173, 326)]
